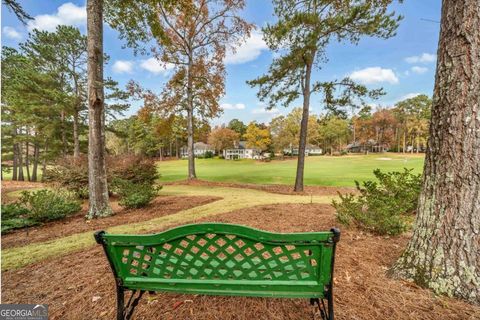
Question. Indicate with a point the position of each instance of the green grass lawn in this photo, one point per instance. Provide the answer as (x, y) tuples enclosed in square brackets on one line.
[(320, 170)]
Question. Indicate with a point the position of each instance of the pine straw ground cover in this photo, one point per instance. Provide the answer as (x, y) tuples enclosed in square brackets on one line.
[(80, 285), (231, 199)]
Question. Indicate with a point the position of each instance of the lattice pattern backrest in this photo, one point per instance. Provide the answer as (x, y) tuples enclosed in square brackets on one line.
[(213, 256)]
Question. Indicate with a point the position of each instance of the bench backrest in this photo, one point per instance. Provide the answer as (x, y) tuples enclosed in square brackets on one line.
[(215, 258)]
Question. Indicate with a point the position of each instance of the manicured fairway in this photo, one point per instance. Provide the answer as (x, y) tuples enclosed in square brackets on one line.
[(321, 170)]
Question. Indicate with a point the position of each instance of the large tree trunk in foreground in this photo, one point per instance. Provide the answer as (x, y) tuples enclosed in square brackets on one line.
[(444, 252), (97, 175), (303, 130)]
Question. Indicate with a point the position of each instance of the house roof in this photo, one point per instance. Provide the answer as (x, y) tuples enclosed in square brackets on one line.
[(202, 146)]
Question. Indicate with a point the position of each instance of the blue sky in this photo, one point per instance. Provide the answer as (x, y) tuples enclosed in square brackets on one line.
[(404, 65)]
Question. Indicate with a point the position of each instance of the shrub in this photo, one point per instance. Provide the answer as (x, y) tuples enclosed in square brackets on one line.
[(72, 174), (209, 155), (383, 206), (13, 210), (14, 216), (132, 168), (135, 195), (47, 205)]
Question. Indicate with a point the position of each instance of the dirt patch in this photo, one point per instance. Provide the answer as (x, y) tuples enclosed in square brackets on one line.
[(161, 206), (81, 286), (273, 188)]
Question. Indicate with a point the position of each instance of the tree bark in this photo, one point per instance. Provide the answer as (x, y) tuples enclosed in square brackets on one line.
[(97, 175), (63, 133), (20, 162), (15, 156), (303, 128), (36, 155), (27, 160), (44, 161), (76, 141), (444, 251), (190, 149), (177, 148)]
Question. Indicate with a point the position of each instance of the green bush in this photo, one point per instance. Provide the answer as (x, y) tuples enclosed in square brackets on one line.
[(14, 216), (47, 205), (384, 206), (135, 195), (13, 210), (208, 155)]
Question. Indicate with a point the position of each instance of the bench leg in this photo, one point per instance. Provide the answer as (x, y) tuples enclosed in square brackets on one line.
[(120, 303), (326, 314), (330, 305)]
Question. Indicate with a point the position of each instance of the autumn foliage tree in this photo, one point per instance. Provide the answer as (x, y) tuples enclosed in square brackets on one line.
[(192, 36), (223, 138), (257, 137)]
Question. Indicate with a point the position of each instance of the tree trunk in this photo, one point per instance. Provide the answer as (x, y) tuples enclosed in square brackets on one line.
[(15, 156), (404, 140), (303, 129), (191, 152), (27, 160), (76, 141), (44, 161), (20, 162), (444, 251), (63, 133), (176, 148), (97, 175), (36, 155)]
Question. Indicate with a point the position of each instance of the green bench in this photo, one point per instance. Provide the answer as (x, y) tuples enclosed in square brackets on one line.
[(223, 259)]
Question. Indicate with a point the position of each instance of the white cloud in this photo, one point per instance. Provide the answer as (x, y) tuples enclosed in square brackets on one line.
[(374, 75), (229, 106), (419, 70), (409, 96), (122, 66), (265, 111), (154, 66), (67, 14), (423, 58), (248, 51), (12, 33)]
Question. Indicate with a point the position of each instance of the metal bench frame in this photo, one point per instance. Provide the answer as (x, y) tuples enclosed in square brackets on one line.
[(223, 259)]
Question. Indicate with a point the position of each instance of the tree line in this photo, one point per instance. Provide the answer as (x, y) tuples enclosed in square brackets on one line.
[(400, 128)]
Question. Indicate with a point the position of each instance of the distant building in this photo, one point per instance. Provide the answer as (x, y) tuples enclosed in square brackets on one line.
[(369, 146), (199, 149), (241, 152), (310, 150)]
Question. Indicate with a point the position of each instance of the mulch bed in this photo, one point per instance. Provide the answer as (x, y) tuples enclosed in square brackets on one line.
[(81, 286), (161, 206), (273, 188)]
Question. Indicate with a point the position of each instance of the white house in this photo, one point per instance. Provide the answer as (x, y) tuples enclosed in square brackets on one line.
[(310, 150), (199, 149), (241, 152)]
